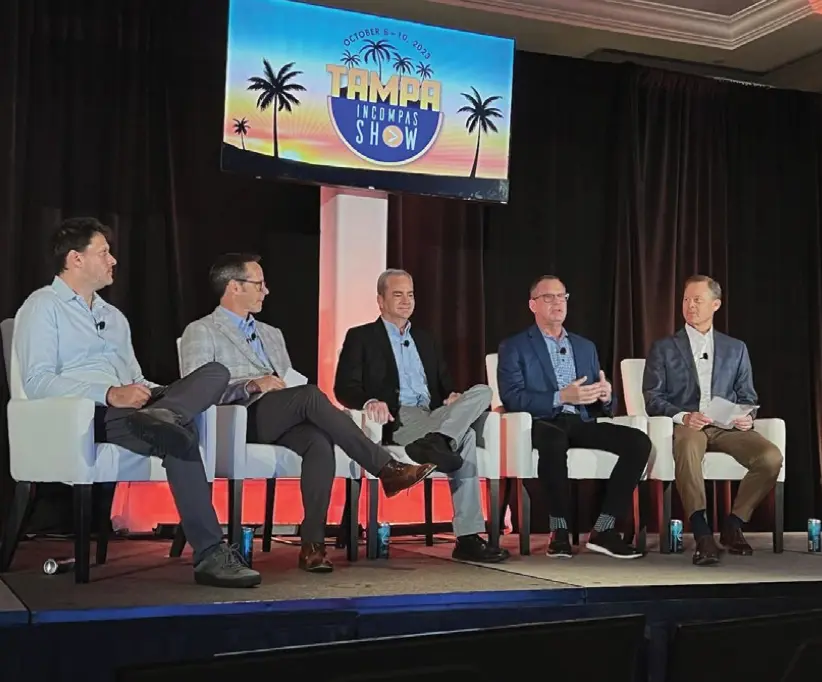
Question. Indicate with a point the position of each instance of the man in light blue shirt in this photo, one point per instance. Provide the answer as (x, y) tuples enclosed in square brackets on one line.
[(70, 342)]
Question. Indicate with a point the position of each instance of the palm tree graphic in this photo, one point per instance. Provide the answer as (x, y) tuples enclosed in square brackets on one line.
[(424, 71), (402, 64), (480, 115), (378, 51), (241, 128), (350, 59), (276, 90)]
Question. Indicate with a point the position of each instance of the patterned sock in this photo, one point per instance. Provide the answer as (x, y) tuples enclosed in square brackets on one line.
[(557, 523), (604, 522), (699, 524)]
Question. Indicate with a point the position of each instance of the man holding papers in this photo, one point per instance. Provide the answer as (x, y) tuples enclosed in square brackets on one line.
[(703, 380), (282, 408)]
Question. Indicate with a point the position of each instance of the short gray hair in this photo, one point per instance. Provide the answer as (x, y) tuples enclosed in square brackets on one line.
[(382, 280), (713, 285)]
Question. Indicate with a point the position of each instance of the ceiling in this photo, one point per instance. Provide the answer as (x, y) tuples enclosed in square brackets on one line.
[(773, 41), (722, 7)]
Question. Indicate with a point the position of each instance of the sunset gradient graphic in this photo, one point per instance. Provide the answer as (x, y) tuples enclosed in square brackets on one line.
[(312, 37)]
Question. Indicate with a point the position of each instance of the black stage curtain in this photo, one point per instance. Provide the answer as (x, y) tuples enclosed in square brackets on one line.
[(623, 182), (114, 108)]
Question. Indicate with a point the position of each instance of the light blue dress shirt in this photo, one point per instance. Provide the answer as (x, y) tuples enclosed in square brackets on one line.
[(413, 382), (564, 365), (248, 328), (66, 349)]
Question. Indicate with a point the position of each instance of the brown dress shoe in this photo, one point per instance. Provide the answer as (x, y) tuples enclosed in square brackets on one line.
[(732, 539), (396, 476), (313, 559), (707, 552)]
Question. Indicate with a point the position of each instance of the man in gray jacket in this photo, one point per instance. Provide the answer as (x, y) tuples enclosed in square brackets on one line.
[(300, 418), (683, 373)]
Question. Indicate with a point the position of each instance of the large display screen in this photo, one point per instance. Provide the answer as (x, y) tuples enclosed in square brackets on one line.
[(341, 98)]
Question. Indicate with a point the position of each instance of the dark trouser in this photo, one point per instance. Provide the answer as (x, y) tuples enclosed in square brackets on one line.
[(553, 438), (304, 420), (187, 397)]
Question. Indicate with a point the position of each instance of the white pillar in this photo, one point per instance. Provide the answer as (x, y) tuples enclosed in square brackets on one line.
[(353, 244)]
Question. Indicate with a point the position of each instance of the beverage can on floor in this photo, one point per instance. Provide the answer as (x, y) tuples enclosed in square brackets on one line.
[(247, 544), (383, 540), (53, 566), (675, 540), (814, 540)]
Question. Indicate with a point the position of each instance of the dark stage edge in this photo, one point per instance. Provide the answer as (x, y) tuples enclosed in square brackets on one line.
[(144, 607)]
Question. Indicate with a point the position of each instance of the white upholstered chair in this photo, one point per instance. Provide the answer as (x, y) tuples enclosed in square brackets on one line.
[(51, 440), (519, 458), (488, 465), (716, 466), (239, 461)]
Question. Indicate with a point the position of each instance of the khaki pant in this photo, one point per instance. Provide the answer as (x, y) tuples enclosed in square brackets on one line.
[(758, 455)]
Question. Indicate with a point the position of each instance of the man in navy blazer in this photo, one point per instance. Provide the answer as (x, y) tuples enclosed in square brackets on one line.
[(683, 373), (555, 376)]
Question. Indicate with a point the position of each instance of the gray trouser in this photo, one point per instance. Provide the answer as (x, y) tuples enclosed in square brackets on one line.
[(186, 475), (461, 421)]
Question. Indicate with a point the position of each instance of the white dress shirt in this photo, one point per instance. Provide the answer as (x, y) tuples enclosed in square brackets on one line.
[(702, 349)]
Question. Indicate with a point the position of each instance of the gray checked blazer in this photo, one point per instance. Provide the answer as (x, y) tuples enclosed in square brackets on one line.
[(215, 338)]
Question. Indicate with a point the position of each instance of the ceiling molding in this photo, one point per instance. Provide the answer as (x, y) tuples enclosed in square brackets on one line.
[(653, 20)]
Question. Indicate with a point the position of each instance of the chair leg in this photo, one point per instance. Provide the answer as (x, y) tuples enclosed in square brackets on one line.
[(82, 531), (665, 521), (20, 503), (524, 518), (779, 518), (574, 512), (371, 537), (104, 499), (345, 521), (643, 515), (178, 544), (268, 522), (494, 517), (352, 511), (428, 494), (235, 512)]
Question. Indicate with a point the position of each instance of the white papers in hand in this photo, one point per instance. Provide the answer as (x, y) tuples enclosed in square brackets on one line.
[(723, 412), (293, 378)]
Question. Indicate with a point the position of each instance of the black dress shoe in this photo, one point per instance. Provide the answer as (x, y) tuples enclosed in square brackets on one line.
[(163, 430), (433, 448), (474, 548)]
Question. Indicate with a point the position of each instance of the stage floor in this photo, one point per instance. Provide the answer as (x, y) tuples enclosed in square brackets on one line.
[(144, 607), (139, 576)]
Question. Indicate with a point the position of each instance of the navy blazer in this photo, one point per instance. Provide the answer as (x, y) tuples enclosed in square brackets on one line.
[(526, 377), (670, 383)]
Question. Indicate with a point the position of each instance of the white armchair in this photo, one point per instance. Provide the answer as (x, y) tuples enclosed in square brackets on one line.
[(51, 440), (716, 466), (488, 465), (519, 458), (239, 461)]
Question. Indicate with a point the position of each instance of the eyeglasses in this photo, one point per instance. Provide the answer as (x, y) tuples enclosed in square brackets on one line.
[(259, 283), (551, 298)]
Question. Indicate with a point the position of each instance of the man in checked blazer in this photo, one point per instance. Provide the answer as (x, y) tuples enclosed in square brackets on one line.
[(300, 418)]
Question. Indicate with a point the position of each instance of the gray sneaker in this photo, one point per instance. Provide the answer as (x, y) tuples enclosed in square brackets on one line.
[(225, 567)]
